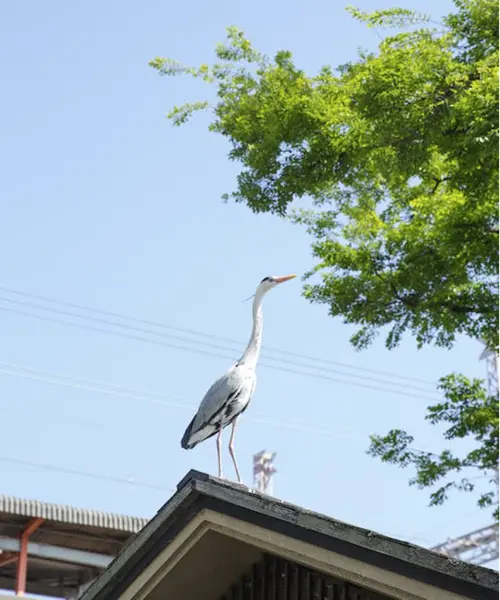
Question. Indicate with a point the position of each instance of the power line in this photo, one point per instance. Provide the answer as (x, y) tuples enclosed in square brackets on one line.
[(92, 475), (147, 485), (211, 336), (156, 398), (106, 384), (216, 346), (159, 399), (462, 517), (157, 487), (217, 355), (112, 323), (167, 401), (122, 480), (116, 333), (162, 400)]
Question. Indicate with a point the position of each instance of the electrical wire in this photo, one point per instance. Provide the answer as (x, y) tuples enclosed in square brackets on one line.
[(153, 486), (90, 388), (462, 517), (156, 487), (90, 474), (159, 399), (92, 382), (216, 346), (211, 336), (156, 398), (217, 355)]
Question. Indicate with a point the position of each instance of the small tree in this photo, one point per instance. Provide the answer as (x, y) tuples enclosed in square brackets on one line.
[(397, 155)]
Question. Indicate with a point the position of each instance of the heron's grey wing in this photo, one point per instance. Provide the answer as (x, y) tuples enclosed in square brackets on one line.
[(218, 395)]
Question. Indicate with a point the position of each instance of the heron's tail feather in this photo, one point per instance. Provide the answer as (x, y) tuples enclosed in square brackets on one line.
[(186, 437)]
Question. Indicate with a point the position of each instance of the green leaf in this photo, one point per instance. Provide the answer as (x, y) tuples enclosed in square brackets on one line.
[(397, 153)]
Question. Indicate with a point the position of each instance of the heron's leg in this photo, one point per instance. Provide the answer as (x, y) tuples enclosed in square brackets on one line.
[(219, 450), (231, 449)]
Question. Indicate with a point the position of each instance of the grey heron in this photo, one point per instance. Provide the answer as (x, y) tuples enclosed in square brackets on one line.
[(230, 395)]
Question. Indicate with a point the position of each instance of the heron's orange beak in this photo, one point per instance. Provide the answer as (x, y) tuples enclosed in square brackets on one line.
[(284, 278)]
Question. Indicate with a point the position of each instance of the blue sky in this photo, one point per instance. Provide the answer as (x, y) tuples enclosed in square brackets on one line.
[(106, 205)]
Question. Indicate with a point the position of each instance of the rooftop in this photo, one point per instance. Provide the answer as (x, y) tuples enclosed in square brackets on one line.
[(69, 547), (63, 513), (221, 528)]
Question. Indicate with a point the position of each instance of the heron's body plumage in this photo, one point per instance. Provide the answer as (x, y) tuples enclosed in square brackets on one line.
[(226, 399)]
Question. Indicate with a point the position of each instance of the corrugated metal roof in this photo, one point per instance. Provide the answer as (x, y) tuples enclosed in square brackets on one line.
[(69, 514)]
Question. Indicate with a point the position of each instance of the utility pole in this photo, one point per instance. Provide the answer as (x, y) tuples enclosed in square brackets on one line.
[(263, 471), (491, 358)]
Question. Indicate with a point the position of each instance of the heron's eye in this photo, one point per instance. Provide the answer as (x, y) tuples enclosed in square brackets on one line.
[(266, 279)]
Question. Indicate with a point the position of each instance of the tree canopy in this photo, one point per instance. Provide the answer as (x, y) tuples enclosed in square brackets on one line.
[(395, 156)]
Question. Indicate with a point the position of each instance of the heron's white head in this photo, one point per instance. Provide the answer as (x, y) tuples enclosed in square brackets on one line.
[(270, 282), (267, 284)]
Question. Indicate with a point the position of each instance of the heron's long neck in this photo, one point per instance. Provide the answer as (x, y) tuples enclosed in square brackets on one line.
[(251, 354)]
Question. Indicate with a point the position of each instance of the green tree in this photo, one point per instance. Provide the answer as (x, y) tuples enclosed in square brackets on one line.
[(391, 163)]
